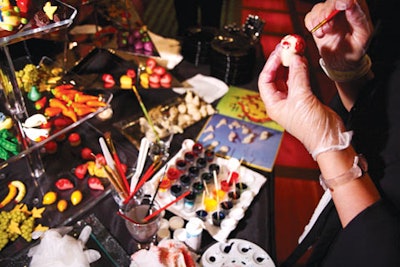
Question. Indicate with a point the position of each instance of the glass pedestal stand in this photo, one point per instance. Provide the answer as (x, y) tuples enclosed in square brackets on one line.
[(12, 93), (15, 104)]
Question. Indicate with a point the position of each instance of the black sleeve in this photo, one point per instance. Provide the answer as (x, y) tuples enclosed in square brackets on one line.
[(370, 239)]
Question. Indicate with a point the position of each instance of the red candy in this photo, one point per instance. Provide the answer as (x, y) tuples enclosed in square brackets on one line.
[(160, 71), (24, 5), (51, 147), (100, 160), (151, 63), (94, 183), (166, 80), (108, 80), (81, 170), (87, 153), (64, 184), (74, 139)]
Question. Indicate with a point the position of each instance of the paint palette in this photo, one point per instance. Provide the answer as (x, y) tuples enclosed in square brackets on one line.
[(251, 183), (236, 252)]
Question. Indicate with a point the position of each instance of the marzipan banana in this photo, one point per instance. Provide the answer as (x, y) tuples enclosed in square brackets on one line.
[(12, 192), (21, 190)]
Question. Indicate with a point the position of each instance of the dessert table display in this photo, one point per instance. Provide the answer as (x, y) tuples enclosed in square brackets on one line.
[(37, 120), (41, 18)]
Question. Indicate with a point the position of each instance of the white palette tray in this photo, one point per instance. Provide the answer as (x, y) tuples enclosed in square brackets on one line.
[(252, 179), (236, 252)]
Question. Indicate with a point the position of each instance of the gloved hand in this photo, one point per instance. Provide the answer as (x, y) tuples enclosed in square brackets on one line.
[(290, 102), (56, 248), (343, 41)]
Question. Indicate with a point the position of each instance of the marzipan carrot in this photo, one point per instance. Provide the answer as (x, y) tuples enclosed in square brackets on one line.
[(82, 98), (60, 91), (41, 103), (82, 111), (55, 102), (67, 97), (63, 87), (96, 103), (70, 113), (52, 111), (76, 105)]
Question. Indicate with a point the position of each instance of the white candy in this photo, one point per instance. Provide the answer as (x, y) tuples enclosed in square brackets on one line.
[(292, 44)]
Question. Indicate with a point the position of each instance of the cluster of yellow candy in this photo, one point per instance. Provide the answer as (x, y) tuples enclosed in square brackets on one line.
[(51, 197), (20, 221), (43, 77)]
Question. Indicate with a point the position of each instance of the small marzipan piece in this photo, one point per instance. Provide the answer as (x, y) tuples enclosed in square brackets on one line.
[(291, 44)]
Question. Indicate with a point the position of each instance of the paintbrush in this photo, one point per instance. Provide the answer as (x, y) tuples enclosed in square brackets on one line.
[(166, 206), (117, 161), (126, 217), (157, 189), (113, 179), (111, 168), (327, 19), (149, 173)]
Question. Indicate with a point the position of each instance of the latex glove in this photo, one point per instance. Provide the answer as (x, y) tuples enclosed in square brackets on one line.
[(344, 40), (290, 102), (57, 249)]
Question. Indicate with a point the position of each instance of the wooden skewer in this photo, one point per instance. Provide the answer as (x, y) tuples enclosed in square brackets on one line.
[(146, 114)]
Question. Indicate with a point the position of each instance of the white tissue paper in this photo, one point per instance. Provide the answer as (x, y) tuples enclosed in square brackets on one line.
[(57, 249), (169, 50), (208, 88)]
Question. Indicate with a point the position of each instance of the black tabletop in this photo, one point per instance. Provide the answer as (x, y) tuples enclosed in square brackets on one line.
[(256, 226)]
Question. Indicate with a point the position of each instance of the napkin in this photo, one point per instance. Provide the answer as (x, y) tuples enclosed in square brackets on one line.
[(169, 50), (208, 88), (85, 29)]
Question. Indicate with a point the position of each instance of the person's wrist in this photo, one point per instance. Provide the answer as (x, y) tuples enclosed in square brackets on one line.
[(335, 162), (362, 69)]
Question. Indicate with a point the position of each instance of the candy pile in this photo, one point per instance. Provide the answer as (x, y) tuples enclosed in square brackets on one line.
[(19, 222)]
